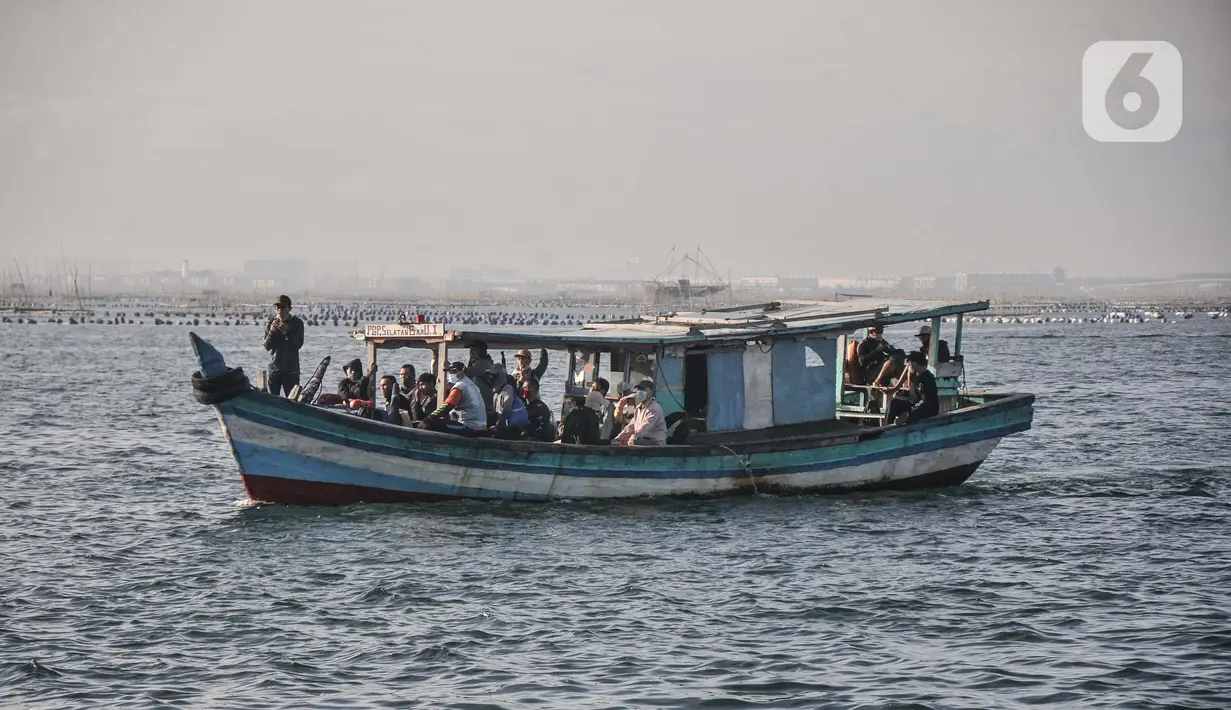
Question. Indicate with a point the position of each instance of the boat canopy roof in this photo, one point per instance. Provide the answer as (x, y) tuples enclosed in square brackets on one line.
[(737, 324)]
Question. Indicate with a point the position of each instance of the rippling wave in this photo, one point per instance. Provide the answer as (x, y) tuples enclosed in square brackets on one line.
[(1086, 564)]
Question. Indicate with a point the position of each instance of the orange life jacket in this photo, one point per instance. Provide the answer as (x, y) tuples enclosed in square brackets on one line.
[(851, 367)]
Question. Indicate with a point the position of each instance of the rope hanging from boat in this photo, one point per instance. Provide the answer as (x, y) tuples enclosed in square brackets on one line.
[(747, 469), (220, 388)]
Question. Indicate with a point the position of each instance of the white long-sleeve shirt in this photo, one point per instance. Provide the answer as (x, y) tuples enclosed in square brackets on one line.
[(648, 427)]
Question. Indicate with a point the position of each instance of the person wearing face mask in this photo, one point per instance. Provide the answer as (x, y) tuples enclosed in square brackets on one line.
[(541, 425), (476, 371), (648, 426), (464, 401)]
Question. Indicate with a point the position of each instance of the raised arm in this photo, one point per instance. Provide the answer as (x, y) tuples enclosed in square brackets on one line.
[(540, 368), (273, 337)]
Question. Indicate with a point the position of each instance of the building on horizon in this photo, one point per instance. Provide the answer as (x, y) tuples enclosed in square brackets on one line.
[(1006, 284)]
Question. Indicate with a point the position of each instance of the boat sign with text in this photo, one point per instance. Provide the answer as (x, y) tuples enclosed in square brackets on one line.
[(404, 330)]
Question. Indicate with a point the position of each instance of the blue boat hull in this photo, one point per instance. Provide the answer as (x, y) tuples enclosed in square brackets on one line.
[(294, 453)]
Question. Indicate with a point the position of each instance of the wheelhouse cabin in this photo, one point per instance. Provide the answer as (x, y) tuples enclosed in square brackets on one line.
[(735, 372)]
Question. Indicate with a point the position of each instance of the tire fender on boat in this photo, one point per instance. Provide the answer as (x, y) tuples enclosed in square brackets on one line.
[(220, 388)]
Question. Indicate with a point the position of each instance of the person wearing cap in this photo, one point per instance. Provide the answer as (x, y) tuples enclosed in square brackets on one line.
[(464, 402), (925, 339), (872, 353), (522, 371), (924, 400), (283, 339), (648, 426)]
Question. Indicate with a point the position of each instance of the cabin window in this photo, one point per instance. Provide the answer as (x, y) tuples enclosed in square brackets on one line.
[(812, 356), (583, 370), (625, 368)]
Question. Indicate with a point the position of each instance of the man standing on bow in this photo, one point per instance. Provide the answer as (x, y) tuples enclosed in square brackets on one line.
[(283, 339)]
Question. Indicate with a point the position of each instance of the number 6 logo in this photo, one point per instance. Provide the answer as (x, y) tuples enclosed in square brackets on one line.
[(1132, 91)]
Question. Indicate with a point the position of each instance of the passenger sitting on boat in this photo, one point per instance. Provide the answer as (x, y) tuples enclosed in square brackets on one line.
[(509, 410), (597, 400), (925, 339), (480, 362), (394, 401), (423, 401), (923, 397), (355, 386), (464, 402), (542, 426), (890, 379), (581, 426), (407, 383), (649, 425), (872, 352), (522, 371)]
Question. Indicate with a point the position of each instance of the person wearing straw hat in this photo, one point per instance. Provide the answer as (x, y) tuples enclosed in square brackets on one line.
[(925, 342)]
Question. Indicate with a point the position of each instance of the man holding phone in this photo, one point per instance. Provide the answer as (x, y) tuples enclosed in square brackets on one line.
[(283, 339)]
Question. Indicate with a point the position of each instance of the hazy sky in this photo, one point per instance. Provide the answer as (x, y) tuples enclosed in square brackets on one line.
[(783, 137)]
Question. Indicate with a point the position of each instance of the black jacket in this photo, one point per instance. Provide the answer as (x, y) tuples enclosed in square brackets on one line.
[(394, 407), (284, 347), (420, 407), (942, 352), (581, 426), (872, 353), (924, 398), (350, 388), (541, 426)]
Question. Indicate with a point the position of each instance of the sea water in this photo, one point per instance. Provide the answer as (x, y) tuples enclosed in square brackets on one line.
[(1087, 563)]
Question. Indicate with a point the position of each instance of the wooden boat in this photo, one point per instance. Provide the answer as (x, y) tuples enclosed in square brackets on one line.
[(764, 385)]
